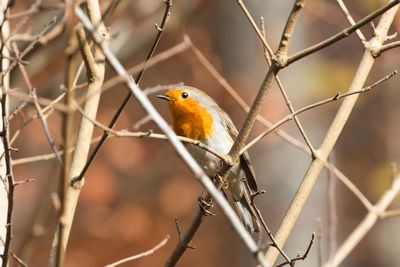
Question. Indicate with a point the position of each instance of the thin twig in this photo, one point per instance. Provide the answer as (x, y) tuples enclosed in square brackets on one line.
[(178, 229), (141, 255), (35, 8), (389, 46), (38, 108), (319, 240), (352, 187), (45, 127), (300, 257), (48, 156), (17, 259), (390, 213), (304, 256), (27, 49), (331, 209), (351, 20), (254, 25), (24, 181)]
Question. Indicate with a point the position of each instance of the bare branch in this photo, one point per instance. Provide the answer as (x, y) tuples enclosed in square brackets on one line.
[(45, 127), (38, 108), (143, 254), (389, 46), (351, 20)]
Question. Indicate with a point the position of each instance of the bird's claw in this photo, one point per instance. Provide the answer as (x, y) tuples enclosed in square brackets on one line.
[(205, 206)]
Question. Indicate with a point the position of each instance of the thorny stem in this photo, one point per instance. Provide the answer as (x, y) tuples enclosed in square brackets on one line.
[(7, 179)]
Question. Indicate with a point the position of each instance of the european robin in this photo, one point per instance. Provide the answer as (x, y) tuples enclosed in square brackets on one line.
[(196, 115)]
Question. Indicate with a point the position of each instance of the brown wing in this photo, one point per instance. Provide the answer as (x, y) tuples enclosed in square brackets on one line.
[(244, 158)]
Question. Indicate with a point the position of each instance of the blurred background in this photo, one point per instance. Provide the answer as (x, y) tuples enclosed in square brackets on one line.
[(136, 187)]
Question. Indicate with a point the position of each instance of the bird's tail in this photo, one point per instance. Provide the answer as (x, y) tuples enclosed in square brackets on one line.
[(247, 215)]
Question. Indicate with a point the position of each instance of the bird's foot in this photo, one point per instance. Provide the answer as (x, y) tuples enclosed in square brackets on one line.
[(205, 206)]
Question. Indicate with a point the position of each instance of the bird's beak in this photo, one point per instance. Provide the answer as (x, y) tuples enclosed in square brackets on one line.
[(165, 97)]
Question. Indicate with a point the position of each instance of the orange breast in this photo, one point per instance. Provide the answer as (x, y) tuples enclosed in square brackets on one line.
[(191, 120)]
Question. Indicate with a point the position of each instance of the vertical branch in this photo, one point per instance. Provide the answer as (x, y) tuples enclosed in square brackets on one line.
[(95, 64), (7, 180), (332, 135), (331, 209), (68, 123)]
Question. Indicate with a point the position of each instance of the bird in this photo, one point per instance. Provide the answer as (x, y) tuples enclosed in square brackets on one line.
[(197, 116)]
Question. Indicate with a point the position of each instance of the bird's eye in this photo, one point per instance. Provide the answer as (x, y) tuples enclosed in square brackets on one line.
[(185, 95)]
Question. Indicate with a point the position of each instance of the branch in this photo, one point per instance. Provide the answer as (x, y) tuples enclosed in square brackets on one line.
[(187, 158), (304, 256), (46, 128), (351, 20), (7, 185), (389, 46), (38, 108), (141, 255)]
